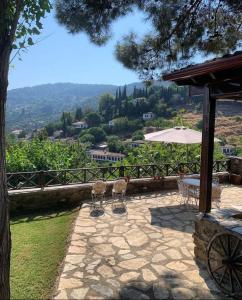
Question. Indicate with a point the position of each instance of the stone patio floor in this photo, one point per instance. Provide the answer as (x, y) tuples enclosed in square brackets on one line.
[(144, 254)]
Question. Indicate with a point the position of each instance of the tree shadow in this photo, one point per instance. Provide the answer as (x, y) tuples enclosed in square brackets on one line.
[(172, 285), (175, 217), (41, 214)]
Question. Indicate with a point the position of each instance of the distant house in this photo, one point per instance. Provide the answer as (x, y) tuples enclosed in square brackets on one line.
[(100, 155), (134, 144), (148, 116), (228, 150), (17, 132), (111, 123), (80, 125)]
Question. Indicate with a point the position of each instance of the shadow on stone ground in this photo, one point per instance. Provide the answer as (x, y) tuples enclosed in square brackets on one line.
[(171, 285), (165, 217)]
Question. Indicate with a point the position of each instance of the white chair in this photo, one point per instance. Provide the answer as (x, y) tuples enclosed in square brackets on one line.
[(118, 195), (182, 192), (98, 194)]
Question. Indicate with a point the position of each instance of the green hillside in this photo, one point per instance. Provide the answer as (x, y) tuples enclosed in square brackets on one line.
[(32, 107)]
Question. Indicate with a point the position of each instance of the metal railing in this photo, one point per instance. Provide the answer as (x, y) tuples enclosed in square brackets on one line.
[(42, 179)]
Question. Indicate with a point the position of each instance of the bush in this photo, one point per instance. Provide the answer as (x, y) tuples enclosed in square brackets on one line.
[(87, 138), (114, 144), (138, 135)]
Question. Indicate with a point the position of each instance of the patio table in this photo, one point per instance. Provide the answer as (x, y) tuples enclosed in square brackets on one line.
[(193, 188)]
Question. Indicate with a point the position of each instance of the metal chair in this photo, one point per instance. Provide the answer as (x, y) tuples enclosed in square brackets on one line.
[(182, 192), (98, 197), (216, 195), (118, 195)]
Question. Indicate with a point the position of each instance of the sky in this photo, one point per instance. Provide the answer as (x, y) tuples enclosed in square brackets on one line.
[(62, 57)]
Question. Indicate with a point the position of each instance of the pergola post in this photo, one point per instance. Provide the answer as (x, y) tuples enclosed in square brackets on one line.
[(209, 108)]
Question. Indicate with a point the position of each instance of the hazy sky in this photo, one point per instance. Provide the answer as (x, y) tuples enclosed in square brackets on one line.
[(62, 57)]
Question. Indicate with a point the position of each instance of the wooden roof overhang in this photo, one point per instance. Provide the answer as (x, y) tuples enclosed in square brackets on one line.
[(223, 76)]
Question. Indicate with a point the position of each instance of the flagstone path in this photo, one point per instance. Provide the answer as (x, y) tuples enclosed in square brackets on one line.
[(145, 254)]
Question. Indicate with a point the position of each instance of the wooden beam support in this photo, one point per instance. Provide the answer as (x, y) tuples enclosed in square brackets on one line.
[(209, 108)]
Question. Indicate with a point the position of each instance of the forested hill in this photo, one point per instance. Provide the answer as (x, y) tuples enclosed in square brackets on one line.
[(33, 107)]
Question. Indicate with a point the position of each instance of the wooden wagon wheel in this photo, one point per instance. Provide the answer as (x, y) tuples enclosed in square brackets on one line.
[(224, 261)]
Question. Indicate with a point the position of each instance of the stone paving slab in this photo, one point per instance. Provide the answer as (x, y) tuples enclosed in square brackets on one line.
[(146, 253)]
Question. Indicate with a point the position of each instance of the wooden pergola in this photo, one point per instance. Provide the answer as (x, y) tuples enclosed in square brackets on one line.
[(220, 78)]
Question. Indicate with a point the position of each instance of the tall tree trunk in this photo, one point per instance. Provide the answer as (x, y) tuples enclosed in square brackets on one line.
[(5, 236)]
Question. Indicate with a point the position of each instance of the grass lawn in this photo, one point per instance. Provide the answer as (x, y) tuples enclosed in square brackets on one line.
[(38, 247)]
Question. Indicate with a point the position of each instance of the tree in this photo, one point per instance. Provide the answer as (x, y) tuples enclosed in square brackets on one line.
[(181, 29), (78, 114), (66, 120), (114, 144), (50, 128), (138, 135), (87, 138), (98, 134), (106, 107), (19, 21), (93, 119)]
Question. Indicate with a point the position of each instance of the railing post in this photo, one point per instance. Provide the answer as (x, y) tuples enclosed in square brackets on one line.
[(65, 181), (153, 170), (84, 175), (121, 171), (138, 171), (217, 166), (167, 169), (42, 179)]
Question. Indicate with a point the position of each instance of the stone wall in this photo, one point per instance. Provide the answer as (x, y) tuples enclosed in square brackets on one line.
[(73, 195), (218, 221)]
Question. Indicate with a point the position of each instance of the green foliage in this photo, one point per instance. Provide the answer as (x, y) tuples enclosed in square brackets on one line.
[(160, 123), (138, 135), (50, 128), (45, 155), (93, 119), (41, 134), (96, 132), (22, 134), (199, 124), (180, 29), (29, 15), (78, 114), (157, 153), (87, 138), (106, 107), (114, 144)]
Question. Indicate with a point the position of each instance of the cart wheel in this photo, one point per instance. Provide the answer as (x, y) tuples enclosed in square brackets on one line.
[(224, 261)]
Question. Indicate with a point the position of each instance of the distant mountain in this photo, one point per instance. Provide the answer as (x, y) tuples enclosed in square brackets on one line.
[(32, 107)]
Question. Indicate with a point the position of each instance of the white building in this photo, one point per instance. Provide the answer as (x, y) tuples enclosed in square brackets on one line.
[(228, 150), (80, 125), (99, 155), (111, 123), (148, 116), (17, 132)]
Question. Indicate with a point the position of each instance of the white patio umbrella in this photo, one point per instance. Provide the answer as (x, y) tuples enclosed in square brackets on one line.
[(176, 135)]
